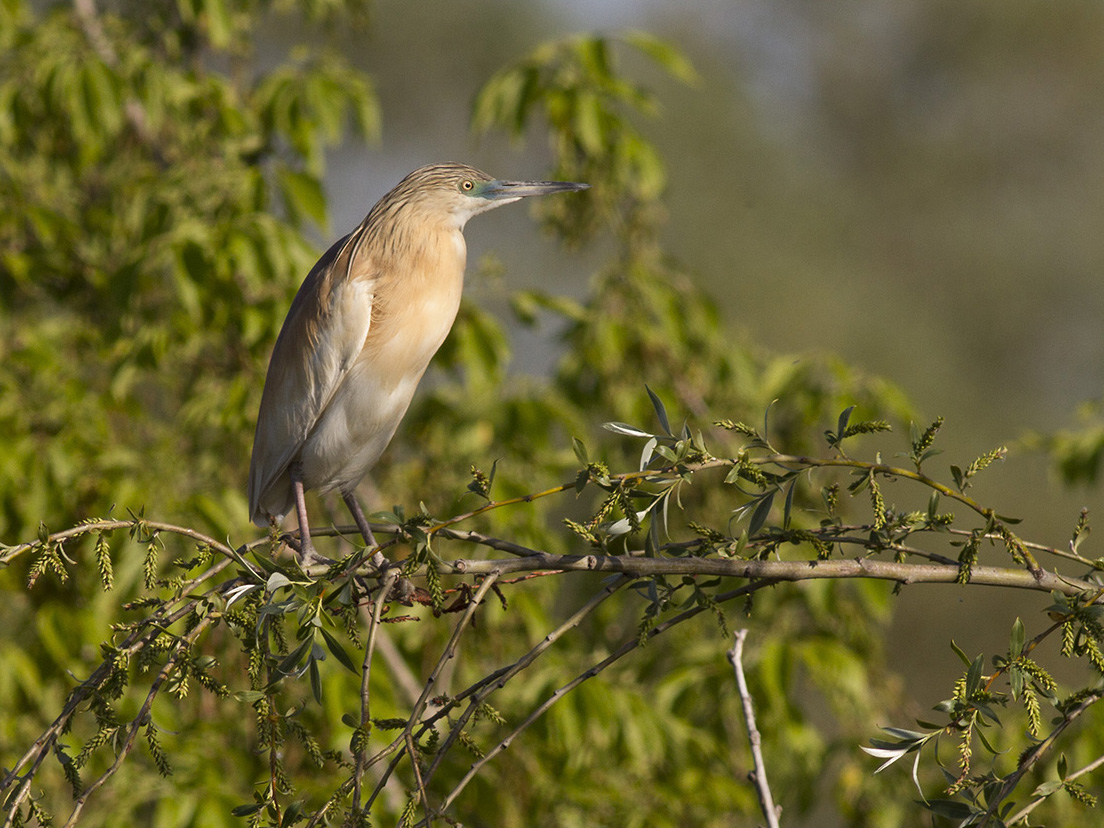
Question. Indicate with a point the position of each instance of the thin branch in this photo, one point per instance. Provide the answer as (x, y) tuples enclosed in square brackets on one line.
[(366, 672), (627, 647), (827, 534), (759, 775), (96, 526), (430, 683), (412, 752), (879, 468), (1031, 806), (498, 679), (1035, 754)]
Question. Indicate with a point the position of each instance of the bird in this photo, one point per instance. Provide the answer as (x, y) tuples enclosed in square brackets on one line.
[(358, 337)]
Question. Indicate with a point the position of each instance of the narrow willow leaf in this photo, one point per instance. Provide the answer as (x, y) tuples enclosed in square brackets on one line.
[(973, 676), (660, 411), (844, 419), (1016, 645), (338, 651), (315, 680), (960, 653), (788, 508), (580, 451), (759, 516), (626, 429)]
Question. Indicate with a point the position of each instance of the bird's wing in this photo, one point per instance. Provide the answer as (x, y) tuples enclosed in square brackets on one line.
[(324, 332)]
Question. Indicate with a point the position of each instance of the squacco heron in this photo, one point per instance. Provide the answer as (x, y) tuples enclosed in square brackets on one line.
[(360, 333)]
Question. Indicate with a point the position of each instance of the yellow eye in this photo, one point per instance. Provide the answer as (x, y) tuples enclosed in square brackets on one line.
[(466, 184)]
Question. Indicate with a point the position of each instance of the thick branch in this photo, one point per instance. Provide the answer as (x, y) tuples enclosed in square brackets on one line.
[(902, 573)]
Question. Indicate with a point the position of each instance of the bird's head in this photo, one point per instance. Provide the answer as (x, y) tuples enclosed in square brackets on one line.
[(460, 192)]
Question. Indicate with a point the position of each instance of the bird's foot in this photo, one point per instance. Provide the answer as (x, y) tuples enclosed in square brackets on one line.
[(308, 555)]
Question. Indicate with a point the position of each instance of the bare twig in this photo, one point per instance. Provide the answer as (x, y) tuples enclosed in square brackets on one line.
[(759, 775), (96, 526), (412, 752)]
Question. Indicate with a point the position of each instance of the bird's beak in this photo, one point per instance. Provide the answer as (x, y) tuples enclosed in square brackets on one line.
[(513, 190)]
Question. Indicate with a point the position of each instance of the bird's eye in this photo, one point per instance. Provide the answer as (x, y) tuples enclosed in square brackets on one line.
[(466, 184)]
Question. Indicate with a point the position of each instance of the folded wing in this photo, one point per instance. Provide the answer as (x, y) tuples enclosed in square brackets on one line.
[(323, 334)]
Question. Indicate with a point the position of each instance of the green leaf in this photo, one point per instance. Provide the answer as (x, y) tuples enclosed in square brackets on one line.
[(277, 580), (663, 53), (290, 663), (1046, 789), (218, 22), (292, 815), (626, 429), (338, 651), (580, 451), (844, 419), (759, 516), (315, 679), (949, 808), (973, 676), (588, 123), (1016, 680), (1016, 645), (788, 508), (660, 411)]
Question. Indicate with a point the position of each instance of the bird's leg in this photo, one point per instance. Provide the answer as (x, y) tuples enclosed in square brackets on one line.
[(359, 519), (307, 553)]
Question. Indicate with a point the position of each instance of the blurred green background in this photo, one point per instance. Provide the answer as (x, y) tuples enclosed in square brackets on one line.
[(915, 187)]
